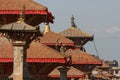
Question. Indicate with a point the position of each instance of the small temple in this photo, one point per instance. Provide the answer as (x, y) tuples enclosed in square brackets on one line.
[(26, 53)]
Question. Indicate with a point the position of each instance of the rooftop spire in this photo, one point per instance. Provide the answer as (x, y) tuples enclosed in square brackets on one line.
[(73, 25), (22, 14)]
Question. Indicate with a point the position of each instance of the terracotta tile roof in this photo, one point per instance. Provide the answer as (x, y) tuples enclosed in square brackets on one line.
[(104, 65), (97, 75), (6, 49), (72, 73), (31, 7), (75, 32), (80, 57), (18, 4), (52, 38), (36, 52), (104, 74)]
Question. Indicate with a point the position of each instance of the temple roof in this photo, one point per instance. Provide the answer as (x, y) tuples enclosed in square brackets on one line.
[(37, 52), (80, 57), (52, 38), (6, 49), (72, 73), (74, 31), (17, 26), (103, 74), (17, 5), (104, 65), (13, 7)]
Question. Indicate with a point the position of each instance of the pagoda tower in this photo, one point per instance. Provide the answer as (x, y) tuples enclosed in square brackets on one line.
[(78, 36), (21, 33), (40, 58), (54, 40), (81, 59), (42, 53)]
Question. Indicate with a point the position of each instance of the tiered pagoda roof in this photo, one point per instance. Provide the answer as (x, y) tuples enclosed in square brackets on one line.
[(51, 38), (104, 65), (43, 53), (102, 75), (37, 52), (72, 73), (74, 33), (12, 8), (80, 57), (17, 5)]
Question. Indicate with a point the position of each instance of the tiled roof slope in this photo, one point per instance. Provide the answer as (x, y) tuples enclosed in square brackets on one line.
[(72, 73), (74, 32), (104, 65), (18, 4), (6, 49), (35, 51), (80, 57), (52, 38), (103, 74), (38, 50)]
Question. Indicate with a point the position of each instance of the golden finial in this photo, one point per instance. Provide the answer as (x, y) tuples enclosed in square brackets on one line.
[(72, 22), (46, 28), (22, 14)]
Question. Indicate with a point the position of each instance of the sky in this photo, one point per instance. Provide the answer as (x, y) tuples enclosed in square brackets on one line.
[(100, 18)]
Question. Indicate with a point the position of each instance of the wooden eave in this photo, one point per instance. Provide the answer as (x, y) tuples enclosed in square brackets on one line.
[(14, 7)]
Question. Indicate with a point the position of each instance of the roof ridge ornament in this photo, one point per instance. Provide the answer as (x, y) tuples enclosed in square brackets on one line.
[(22, 14), (73, 25)]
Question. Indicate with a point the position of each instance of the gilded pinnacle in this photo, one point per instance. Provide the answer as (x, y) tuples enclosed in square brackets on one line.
[(22, 14), (72, 22)]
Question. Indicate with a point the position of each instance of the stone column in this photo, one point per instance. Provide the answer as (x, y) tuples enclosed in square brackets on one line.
[(20, 71), (63, 72)]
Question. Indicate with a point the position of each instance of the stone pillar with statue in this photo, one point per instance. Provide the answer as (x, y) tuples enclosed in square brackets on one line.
[(64, 68), (20, 35)]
